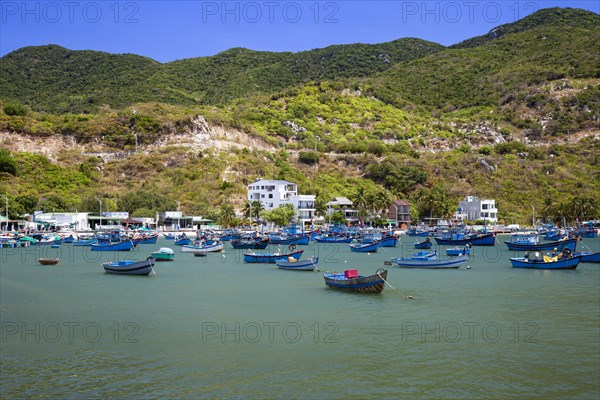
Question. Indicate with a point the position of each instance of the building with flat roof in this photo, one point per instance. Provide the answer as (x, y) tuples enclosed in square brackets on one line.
[(275, 193), (399, 213), (344, 205), (472, 208)]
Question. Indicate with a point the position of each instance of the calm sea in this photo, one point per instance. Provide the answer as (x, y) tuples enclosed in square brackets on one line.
[(215, 327)]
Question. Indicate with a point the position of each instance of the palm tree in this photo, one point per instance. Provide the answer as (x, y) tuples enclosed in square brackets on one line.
[(359, 201), (383, 201), (227, 215), (257, 207)]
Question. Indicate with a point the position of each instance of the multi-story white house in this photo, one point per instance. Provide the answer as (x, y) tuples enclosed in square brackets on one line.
[(275, 193), (344, 205), (474, 209)]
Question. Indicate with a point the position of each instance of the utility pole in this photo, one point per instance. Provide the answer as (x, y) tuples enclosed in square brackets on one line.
[(533, 216)]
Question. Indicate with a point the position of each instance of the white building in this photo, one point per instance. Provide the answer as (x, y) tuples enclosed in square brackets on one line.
[(73, 220), (344, 205), (473, 208), (275, 193)]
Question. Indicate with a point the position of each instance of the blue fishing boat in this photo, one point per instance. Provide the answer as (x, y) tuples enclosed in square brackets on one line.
[(333, 239), (523, 243), (432, 262), (86, 242), (426, 244), (588, 256), (417, 232), (351, 281), (270, 257), (250, 243), (554, 234), (458, 251), (169, 236), (288, 239), (388, 241), (126, 245), (461, 239), (296, 265), (146, 239), (69, 239), (129, 267), (538, 260), (364, 247), (182, 240)]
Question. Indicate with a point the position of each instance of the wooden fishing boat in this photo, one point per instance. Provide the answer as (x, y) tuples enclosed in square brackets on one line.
[(426, 244), (183, 241), (129, 267), (431, 262), (145, 239), (250, 244), (333, 239), (289, 239), (388, 241), (48, 261), (351, 281), (461, 239), (524, 245), (211, 248), (163, 254), (270, 257), (417, 232), (588, 256), (364, 247), (294, 264), (118, 246), (538, 260), (458, 251)]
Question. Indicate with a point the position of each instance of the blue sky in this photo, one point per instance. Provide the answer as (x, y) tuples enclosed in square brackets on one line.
[(167, 31)]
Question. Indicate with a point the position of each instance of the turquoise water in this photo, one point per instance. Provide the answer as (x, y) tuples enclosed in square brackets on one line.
[(214, 327)]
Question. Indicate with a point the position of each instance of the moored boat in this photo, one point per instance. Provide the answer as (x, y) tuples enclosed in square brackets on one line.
[(474, 239), (270, 257), (588, 256), (388, 241), (163, 254), (206, 248), (129, 267), (426, 244), (432, 262), (250, 244), (458, 251), (522, 244), (538, 260), (333, 239), (48, 261), (119, 246), (351, 281), (364, 247), (291, 263)]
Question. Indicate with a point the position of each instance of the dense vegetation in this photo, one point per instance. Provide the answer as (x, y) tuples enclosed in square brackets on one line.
[(488, 116)]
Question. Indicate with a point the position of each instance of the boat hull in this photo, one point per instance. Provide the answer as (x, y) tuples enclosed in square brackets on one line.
[(365, 248), (128, 267), (487, 239), (48, 261), (270, 258), (588, 256), (305, 265), (250, 245), (205, 249), (121, 246), (333, 240), (390, 241), (560, 245), (430, 263), (568, 263), (423, 245), (362, 284), (458, 251)]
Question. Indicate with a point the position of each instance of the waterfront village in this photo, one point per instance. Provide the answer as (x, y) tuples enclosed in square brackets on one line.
[(270, 193)]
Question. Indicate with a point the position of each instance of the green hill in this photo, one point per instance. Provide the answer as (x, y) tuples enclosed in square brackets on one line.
[(52, 78)]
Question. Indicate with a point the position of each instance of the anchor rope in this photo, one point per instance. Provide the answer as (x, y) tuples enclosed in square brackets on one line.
[(402, 294)]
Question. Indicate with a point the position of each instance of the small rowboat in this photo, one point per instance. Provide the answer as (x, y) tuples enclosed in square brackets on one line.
[(388, 241), (351, 281), (293, 264), (48, 261), (431, 262), (129, 267)]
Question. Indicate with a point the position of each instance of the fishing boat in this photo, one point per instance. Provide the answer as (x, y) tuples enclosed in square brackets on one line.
[(182, 240), (417, 232), (528, 243), (364, 247), (458, 251), (270, 257), (129, 267), (206, 248), (85, 242), (293, 264), (333, 239), (169, 236), (426, 244), (351, 281), (539, 260), (388, 241), (146, 239), (284, 238), (68, 239), (48, 261), (461, 239), (433, 262), (163, 254), (118, 246), (588, 256), (250, 244)]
